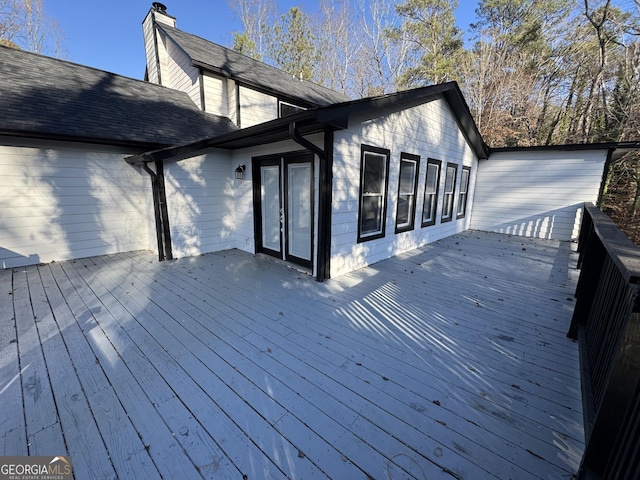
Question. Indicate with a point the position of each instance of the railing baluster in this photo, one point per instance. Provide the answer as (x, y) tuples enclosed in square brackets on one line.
[(607, 324)]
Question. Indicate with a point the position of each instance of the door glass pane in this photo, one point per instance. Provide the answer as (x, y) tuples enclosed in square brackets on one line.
[(299, 210), (270, 187)]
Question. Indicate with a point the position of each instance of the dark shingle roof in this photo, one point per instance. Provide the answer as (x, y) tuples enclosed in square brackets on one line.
[(46, 97), (252, 72)]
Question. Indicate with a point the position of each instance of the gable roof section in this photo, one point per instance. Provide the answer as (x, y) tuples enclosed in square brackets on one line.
[(334, 117), (223, 61), (45, 97)]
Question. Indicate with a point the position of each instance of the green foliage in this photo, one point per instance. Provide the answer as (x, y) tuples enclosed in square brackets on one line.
[(293, 45), (243, 44), (429, 25)]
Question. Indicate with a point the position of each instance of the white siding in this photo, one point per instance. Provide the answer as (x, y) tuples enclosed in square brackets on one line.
[(256, 107), (63, 201), (148, 28), (180, 74), (200, 200), (429, 131), (232, 104), (150, 48), (216, 96), (536, 193)]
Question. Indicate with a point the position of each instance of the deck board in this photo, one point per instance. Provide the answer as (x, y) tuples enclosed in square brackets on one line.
[(12, 421), (449, 361)]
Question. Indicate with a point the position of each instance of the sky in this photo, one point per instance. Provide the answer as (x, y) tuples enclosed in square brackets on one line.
[(107, 34)]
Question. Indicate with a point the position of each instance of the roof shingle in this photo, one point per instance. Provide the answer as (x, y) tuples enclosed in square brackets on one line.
[(43, 96), (250, 71)]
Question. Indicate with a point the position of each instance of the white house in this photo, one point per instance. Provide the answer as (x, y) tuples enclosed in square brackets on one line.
[(218, 151)]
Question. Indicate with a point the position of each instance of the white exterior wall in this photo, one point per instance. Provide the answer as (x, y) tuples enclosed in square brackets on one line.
[(216, 97), (63, 201), (180, 74), (429, 131), (536, 193), (200, 201), (256, 107), (232, 104)]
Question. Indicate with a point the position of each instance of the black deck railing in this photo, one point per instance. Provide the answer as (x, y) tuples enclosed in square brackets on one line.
[(606, 322)]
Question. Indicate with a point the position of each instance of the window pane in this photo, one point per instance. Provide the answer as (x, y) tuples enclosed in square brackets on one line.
[(432, 178), (404, 209), (371, 215), (428, 211), (450, 179), (374, 172), (464, 182), (288, 109), (462, 204), (407, 176), (447, 206)]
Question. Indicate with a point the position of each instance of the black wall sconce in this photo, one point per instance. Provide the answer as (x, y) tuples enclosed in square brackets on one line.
[(240, 172)]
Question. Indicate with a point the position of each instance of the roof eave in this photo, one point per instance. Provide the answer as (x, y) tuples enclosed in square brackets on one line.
[(116, 142), (263, 133), (617, 149)]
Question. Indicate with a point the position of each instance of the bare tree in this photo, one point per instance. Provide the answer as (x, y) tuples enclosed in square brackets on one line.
[(257, 17), (337, 45), (25, 24), (381, 59)]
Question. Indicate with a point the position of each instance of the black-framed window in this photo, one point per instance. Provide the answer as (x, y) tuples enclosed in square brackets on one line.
[(449, 192), (374, 173), (285, 108), (407, 185), (431, 183), (464, 192)]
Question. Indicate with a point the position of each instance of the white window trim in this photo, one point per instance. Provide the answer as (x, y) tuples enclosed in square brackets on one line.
[(385, 154), (449, 196), (434, 209), (410, 223), (463, 195)]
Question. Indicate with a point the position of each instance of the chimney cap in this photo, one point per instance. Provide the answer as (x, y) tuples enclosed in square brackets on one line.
[(159, 7)]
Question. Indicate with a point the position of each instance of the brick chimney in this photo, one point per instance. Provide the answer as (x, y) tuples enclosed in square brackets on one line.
[(154, 47)]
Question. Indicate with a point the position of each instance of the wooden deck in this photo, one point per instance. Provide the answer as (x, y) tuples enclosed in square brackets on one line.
[(447, 362)]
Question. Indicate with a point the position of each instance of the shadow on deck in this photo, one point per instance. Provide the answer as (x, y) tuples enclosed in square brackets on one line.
[(449, 361)]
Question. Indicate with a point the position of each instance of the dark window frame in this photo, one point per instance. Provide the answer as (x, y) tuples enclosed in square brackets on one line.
[(295, 108), (376, 151), (410, 225), (449, 199), (462, 202), (434, 208)]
